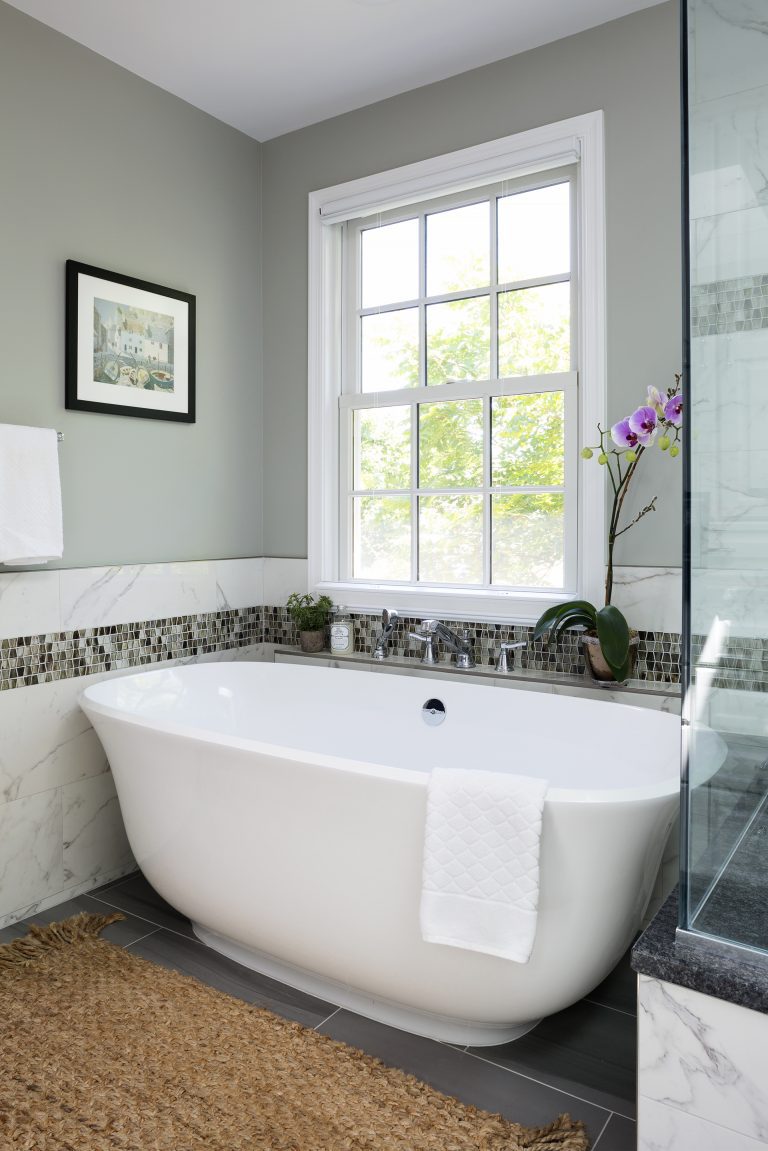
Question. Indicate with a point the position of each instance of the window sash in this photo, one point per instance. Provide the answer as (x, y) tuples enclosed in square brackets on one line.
[(548, 148)]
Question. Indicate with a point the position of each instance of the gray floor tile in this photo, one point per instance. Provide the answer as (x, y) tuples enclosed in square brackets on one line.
[(619, 989), (126, 931), (586, 1050), (205, 964), (15, 931), (97, 891), (473, 1081), (619, 1135), (136, 896)]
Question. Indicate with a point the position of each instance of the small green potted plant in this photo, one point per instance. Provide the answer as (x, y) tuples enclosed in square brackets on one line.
[(310, 616), (609, 643)]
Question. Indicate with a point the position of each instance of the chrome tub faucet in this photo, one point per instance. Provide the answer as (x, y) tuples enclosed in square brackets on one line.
[(461, 645)]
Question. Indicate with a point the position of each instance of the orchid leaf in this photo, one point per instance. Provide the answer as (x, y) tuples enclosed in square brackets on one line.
[(613, 633), (575, 613)]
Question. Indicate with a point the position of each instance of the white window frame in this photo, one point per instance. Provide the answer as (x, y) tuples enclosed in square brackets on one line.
[(541, 151)]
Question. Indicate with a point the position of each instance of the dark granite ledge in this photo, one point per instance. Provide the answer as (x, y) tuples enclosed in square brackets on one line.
[(727, 974)]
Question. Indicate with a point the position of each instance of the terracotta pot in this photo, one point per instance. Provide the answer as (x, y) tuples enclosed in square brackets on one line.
[(596, 664), (312, 640)]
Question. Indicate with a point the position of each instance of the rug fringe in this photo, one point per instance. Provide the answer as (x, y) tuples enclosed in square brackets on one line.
[(43, 939), (563, 1134)]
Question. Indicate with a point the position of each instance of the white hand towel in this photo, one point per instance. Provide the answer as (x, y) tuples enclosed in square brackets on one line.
[(481, 861), (30, 496)]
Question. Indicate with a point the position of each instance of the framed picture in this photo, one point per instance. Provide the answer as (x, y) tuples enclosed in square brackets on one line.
[(130, 346)]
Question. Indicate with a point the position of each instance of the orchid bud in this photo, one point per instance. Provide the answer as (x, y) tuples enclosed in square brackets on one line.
[(602, 458), (664, 442), (630, 457), (586, 453), (674, 450)]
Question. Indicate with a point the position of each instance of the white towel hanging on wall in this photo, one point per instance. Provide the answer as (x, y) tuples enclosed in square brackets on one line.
[(31, 529)]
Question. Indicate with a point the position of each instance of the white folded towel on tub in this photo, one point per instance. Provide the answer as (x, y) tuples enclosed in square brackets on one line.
[(30, 495), (480, 887)]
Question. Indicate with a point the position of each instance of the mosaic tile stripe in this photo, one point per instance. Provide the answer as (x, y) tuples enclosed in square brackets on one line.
[(658, 657), (28, 660), (739, 305)]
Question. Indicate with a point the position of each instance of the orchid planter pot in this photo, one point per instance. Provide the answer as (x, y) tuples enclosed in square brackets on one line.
[(596, 664)]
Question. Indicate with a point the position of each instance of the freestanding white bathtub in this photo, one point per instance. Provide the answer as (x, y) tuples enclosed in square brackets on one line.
[(282, 809)]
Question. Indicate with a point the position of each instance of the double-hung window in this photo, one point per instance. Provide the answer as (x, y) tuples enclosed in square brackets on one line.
[(447, 386)]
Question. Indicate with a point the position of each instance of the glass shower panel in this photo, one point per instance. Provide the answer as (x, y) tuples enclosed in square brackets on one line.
[(726, 818)]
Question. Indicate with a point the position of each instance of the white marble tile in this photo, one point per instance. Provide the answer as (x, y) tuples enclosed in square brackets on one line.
[(31, 864), (69, 892), (29, 603), (727, 51), (46, 739), (727, 155), (281, 577), (743, 712), (650, 598), (729, 601), (93, 597), (239, 583), (94, 836), (703, 1056), (662, 1128), (729, 246)]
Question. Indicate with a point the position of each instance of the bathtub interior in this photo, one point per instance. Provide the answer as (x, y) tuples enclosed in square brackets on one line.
[(577, 744)]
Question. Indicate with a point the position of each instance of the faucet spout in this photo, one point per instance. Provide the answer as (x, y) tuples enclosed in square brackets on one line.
[(461, 645)]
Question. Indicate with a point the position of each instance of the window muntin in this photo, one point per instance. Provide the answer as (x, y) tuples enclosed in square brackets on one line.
[(469, 478)]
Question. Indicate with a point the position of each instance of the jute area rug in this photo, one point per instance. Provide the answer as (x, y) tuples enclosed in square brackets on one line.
[(101, 1050)]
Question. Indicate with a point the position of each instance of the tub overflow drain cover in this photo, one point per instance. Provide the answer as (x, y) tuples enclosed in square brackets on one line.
[(433, 712)]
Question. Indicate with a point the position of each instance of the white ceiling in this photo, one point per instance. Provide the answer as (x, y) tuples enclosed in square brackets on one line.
[(269, 66)]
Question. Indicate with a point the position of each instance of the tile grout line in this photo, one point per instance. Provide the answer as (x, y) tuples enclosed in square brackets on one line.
[(144, 919), (608, 1007), (602, 1132), (324, 1021), (141, 938), (542, 1083)]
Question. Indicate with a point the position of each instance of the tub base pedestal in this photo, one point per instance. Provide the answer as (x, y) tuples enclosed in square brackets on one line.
[(441, 1027)]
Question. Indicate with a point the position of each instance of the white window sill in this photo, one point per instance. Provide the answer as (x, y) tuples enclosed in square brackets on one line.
[(444, 603)]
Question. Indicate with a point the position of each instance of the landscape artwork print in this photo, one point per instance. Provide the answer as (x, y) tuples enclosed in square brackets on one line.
[(130, 346)]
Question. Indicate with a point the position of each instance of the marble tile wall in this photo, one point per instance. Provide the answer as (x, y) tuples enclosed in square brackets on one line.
[(702, 1072)]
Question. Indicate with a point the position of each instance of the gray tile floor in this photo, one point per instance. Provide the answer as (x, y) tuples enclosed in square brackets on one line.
[(581, 1060)]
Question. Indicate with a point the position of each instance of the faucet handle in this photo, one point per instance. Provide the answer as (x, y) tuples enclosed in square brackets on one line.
[(430, 646), (501, 663), (428, 626)]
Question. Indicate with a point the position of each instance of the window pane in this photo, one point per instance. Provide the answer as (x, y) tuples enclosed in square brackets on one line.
[(535, 331), (534, 233), (458, 247), (383, 448), (459, 340), (382, 537), (451, 444), (527, 533), (527, 440), (390, 263), (390, 350), (451, 539)]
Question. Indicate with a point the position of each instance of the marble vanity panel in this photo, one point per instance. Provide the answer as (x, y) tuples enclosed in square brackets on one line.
[(283, 576), (94, 839), (46, 739), (29, 603), (31, 861), (705, 1057), (98, 597), (239, 583), (663, 1128)]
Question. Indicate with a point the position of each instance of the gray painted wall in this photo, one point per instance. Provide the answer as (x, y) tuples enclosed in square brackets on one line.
[(99, 166), (629, 68)]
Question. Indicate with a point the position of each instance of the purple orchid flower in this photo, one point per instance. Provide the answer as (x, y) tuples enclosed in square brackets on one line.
[(673, 410), (624, 435), (643, 422)]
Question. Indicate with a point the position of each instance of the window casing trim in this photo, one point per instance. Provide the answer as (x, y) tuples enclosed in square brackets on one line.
[(543, 149)]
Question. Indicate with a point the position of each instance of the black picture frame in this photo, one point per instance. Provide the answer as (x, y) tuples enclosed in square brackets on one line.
[(130, 346)]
